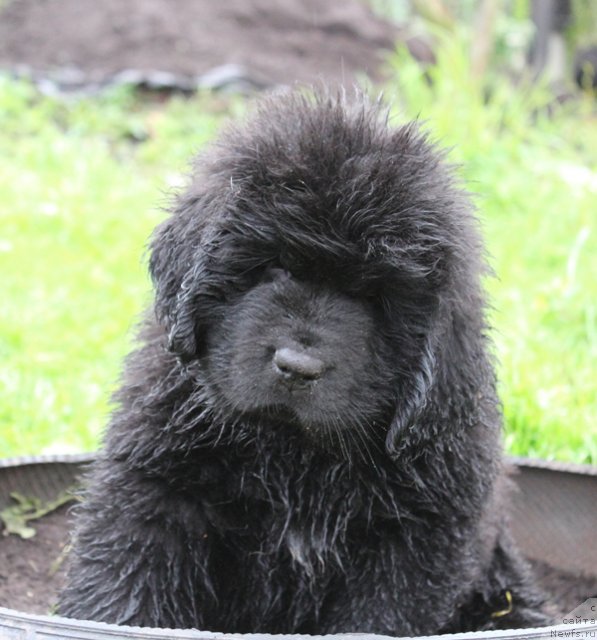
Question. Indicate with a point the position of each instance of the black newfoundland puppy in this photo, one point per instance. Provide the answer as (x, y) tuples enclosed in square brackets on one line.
[(308, 439)]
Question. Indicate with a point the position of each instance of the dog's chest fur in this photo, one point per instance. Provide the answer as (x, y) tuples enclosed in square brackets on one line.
[(311, 508), (306, 524)]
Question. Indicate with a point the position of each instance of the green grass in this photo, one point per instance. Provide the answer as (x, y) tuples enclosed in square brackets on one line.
[(534, 172), (83, 182), (79, 200)]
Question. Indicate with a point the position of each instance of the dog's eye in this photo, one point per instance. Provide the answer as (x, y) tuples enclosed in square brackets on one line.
[(273, 273)]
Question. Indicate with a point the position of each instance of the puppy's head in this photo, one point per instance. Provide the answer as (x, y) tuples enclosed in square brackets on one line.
[(315, 266)]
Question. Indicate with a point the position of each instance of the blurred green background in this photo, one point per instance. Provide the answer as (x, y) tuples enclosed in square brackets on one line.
[(83, 182)]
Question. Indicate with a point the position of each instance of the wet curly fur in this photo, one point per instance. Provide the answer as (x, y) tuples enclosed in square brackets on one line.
[(308, 438)]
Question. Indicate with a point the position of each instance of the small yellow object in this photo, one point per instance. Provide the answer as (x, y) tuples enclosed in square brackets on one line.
[(504, 612)]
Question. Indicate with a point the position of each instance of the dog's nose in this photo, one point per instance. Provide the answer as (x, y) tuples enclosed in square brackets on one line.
[(297, 366)]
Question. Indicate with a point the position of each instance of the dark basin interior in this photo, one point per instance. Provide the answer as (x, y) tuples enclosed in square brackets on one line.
[(553, 517)]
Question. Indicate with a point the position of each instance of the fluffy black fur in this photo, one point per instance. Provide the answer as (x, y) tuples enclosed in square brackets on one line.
[(308, 439)]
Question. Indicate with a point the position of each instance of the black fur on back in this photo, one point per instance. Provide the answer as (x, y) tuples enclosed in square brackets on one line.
[(367, 500)]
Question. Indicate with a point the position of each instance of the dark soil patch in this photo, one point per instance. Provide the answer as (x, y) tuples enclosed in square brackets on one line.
[(30, 581), (32, 571), (278, 43), (568, 590)]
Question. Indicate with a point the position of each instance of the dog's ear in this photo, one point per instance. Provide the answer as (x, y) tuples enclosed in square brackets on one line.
[(411, 404), (177, 269)]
